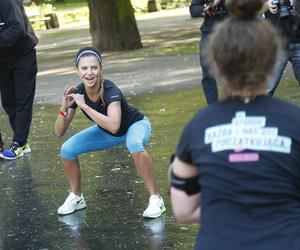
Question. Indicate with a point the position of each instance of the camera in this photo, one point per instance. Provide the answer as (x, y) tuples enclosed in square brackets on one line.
[(213, 10), (283, 6)]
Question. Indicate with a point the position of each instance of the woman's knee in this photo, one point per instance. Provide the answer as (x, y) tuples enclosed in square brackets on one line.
[(67, 151), (135, 146)]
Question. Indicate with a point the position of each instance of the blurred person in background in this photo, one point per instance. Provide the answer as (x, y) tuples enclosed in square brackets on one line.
[(213, 11), (283, 17)]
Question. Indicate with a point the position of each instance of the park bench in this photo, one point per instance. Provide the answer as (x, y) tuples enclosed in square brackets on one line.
[(50, 19)]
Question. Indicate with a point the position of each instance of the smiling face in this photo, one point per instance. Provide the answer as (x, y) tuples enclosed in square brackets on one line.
[(89, 71)]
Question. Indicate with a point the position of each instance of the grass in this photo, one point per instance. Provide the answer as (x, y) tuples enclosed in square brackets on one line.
[(156, 51), (168, 112)]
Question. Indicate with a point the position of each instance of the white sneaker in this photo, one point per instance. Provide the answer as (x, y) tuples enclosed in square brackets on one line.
[(155, 208), (72, 204)]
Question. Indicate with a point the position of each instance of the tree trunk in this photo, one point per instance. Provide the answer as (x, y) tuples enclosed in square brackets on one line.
[(113, 26), (153, 5)]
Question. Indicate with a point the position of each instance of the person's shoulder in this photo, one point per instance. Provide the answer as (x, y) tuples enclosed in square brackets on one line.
[(110, 87), (111, 92), (80, 88), (109, 84)]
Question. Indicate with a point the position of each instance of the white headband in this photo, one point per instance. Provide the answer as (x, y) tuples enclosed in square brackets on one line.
[(88, 51)]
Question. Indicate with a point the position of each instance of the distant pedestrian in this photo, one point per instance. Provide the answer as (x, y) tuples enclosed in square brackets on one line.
[(115, 122), (18, 69)]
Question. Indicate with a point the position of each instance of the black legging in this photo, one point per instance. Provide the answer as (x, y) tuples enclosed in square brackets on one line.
[(17, 87)]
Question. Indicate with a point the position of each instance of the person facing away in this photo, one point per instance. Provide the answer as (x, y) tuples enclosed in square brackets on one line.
[(115, 122), (237, 164), (18, 69), (288, 24), (214, 12)]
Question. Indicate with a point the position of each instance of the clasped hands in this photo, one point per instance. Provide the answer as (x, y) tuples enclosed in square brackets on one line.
[(71, 96)]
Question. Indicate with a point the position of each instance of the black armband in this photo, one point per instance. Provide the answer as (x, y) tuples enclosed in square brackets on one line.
[(189, 185)]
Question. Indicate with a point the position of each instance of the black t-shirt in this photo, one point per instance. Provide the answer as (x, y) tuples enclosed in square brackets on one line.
[(112, 93), (248, 161)]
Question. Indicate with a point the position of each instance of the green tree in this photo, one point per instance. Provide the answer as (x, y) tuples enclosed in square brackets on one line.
[(113, 25)]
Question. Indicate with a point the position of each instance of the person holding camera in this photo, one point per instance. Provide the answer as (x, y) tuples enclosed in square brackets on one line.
[(282, 15), (18, 70), (213, 11), (237, 164), (115, 122)]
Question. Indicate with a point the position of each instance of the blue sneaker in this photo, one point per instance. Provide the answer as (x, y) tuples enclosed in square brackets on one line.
[(13, 152)]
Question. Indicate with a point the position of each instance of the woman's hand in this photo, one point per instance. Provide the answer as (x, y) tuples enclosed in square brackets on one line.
[(78, 98), (67, 99)]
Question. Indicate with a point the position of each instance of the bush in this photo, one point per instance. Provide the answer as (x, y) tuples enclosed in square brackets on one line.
[(172, 4)]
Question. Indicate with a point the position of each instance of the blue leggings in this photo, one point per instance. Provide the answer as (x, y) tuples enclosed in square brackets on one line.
[(96, 139)]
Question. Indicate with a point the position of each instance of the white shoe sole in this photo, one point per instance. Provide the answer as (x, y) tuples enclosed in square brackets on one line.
[(153, 216), (9, 158), (72, 211)]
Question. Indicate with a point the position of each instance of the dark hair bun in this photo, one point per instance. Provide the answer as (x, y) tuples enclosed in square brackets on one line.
[(245, 9)]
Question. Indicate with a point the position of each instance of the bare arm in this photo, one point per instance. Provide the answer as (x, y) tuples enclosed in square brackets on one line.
[(62, 122), (110, 122), (186, 208)]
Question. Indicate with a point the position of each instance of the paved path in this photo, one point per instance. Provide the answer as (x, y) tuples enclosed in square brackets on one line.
[(58, 47)]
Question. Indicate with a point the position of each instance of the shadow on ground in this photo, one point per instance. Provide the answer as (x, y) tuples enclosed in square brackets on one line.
[(33, 187)]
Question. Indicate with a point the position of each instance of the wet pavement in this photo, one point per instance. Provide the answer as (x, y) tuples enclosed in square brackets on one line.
[(34, 186)]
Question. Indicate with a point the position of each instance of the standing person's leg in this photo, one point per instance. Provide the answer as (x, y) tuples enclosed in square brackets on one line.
[(4, 79), (25, 71), (1, 143), (278, 71), (137, 136), (295, 60), (8, 97), (19, 106), (209, 83), (88, 140)]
